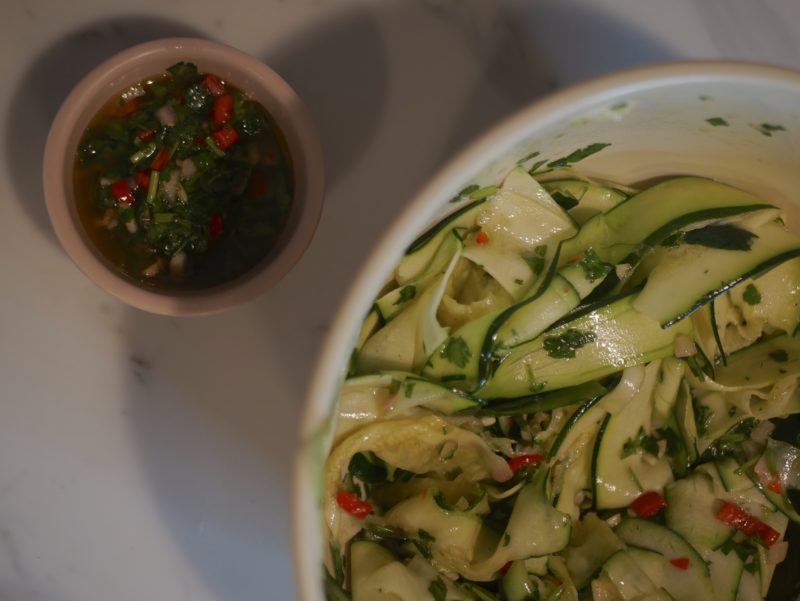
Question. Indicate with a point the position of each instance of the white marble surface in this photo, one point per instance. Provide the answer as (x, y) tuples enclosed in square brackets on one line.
[(150, 458)]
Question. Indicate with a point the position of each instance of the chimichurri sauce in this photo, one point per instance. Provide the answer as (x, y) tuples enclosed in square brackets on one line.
[(182, 181)]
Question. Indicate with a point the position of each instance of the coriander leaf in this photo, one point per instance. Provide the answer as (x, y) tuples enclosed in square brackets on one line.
[(506, 539), (594, 268), (643, 442), (578, 155), (408, 388), (456, 351), (779, 355), (565, 345), (438, 589), (751, 295), (426, 536), (536, 262), (406, 294), (717, 121), (725, 236)]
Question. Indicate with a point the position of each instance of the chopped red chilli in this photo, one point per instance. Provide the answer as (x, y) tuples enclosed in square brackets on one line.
[(212, 83), (223, 109), (682, 563), (123, 193), (215, 226), (521, 461), (482, 238), (161, 159), (142, 179), (648, 504), (226, 137), (353, 504), (735, 516)]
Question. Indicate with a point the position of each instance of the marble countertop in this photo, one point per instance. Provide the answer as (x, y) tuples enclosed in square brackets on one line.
[(143, 457)]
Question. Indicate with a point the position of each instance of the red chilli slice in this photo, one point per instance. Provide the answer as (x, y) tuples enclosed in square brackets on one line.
[(353, 504), (648, 504)]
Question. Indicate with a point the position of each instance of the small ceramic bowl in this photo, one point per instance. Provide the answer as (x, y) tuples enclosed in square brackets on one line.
[(256, 80), (738, 123)]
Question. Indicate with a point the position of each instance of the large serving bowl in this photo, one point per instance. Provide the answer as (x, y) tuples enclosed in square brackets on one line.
[(656, 121)]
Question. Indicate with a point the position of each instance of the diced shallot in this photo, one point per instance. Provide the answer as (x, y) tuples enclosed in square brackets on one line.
[(171, 186), (131, 226), (177, 264), (166, 115), (188, 168), (152, 270)]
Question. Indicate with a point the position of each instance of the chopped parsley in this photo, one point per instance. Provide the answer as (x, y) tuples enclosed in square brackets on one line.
[(725, 236), (423, 549), (426, 536), (367, 468), (438, 589), (594, 268), (506, 539), (751, 295), (408, 387), (406, 294), (643, 442), (578, 155), (456, 351), (565, 345), (779, 356), (717, 121)]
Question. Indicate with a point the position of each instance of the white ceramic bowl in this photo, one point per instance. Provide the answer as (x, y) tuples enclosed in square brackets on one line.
[(243, 71), (655, 119)]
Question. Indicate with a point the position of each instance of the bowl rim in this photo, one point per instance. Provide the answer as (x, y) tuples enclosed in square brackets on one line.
[(265, 85), (330, 363)]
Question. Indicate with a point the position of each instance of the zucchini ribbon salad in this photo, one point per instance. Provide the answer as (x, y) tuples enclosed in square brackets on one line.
[(574, 390)]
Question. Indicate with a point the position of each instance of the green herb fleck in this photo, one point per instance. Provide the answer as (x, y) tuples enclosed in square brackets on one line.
[(724, 236), (672, 240), (518, 281), (779, 356), (705, 98), (565, 345), (367, 468), (535, 167), (620, 106), (338, 564), (528, 157), (456, 351), (423, 549), (406, 294), (717, 121), (536, 262), (426, 536), (565, 201), (594, 268), (578, 155), (767, 129), (751, 295), (506, 539), (438, 589), (643, 442), (703, 414), (408, 388), (464, 193)]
